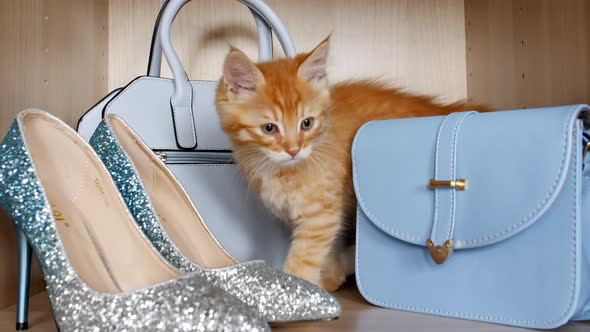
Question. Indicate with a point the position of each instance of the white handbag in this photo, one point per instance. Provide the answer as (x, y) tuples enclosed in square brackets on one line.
[(177, 119)]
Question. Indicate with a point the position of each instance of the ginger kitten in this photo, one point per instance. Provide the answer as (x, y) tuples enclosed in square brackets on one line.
[(292, 134)]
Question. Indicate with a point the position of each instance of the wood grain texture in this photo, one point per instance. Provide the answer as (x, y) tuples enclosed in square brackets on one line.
[(53, 57), (417, 44), (357, 316), (528, 53)]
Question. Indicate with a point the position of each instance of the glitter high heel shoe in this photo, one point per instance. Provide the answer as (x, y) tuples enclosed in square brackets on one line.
[(102, 274), (186, 242)]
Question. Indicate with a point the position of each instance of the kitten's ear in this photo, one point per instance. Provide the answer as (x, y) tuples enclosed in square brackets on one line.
[(240, 75), (314, 68)]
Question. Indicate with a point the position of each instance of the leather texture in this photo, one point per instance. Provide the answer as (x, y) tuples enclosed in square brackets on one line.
[(233, 213), (520, 228), (145, 105)]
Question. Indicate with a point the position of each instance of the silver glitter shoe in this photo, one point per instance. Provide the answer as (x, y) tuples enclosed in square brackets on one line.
[(152, 193), (102, 274)]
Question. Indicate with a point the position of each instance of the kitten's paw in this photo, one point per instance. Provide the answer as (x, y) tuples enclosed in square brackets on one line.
[(333, 277), (332, 283)]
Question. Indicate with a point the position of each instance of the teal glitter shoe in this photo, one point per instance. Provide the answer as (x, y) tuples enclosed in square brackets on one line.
[(102, 274), (153, 194)]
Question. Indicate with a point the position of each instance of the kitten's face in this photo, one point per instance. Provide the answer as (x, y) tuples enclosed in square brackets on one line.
[(276, 111)]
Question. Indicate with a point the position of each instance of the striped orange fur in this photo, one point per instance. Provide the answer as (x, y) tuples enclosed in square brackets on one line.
[(302, 171)]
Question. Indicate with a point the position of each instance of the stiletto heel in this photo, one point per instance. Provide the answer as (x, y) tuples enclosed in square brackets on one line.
[(152, 193), (101, 273), (24, 281)]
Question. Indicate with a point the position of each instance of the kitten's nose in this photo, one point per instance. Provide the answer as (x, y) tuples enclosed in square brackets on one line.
[(293, 151)]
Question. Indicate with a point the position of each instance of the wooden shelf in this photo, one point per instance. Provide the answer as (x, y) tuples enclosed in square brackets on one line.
[(357, 315)]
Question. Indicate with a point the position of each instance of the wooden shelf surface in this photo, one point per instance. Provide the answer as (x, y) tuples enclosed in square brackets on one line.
[(357, 315)]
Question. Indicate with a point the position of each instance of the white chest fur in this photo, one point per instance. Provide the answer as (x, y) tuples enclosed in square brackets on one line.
[(281, 197)]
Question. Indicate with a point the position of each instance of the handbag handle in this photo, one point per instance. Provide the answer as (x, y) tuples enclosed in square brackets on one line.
[(155, 59), (181, 100)]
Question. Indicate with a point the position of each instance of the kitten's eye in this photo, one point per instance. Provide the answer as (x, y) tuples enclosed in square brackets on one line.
[(269, 128), (306, 124)]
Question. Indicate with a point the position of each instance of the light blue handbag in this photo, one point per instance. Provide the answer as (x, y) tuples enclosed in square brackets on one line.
[(177, 119), (480, 216)]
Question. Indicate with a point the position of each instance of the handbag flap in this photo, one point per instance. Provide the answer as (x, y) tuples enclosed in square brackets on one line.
[(510, 183), (145, 105)]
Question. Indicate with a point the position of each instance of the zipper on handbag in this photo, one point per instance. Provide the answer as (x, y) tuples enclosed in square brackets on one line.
[(194, 157)]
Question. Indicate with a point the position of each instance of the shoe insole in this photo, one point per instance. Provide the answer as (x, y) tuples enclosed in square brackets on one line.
[(179, 218), (100, 238)]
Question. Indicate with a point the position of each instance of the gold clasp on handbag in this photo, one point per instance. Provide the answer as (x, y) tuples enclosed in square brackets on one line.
[(459, 184), (440, 253)]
